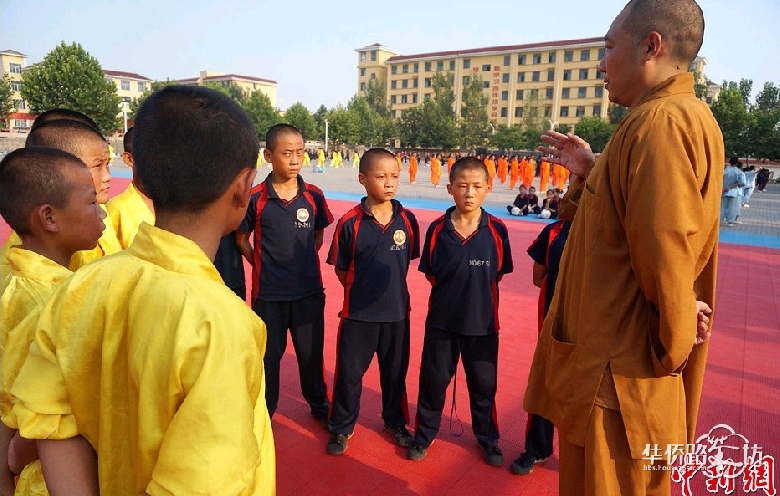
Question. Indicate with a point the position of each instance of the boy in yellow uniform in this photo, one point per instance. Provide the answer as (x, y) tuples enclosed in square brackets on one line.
[(130, 207), (147, 353), (47, 197)]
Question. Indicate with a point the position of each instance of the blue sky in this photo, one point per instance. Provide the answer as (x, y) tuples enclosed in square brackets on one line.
[(308, 46)]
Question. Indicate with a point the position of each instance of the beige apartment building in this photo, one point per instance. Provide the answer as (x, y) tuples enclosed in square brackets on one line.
[(249, 84), (559, 80), (129, 85), (11, 65)]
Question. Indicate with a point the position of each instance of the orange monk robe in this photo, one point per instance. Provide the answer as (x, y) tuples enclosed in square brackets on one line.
[(528, 173), (503, 169), (435, 171), (556, 174), (400, 162), (514, 172), (491, 167), (450, 161), (413, 169), (563, 177), (544, 175)]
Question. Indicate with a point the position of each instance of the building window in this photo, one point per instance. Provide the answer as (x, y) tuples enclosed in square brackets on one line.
[(393, 69), (466, 80), (518, 111), (16, 86), (585, 55), (534, 93), (440, 65), (414, 98), (521, 60), (428, 82), (521, 77), (486, 84), (535, 76), (598, 91), (403, 99), (362, 86), (414, 83), (602, 52), (505, 77), (582, 92), (405, 83), (373, 55), (486, 68), (392, 114), (551, 75), (392, 99), (548, 93), (551, 58), (599, 75), (597, 110), (405, 68), (452, 65), (507, 59), (548, 111), (427, 96), (505, 95), (467, 63), (583, 74), (519, 95), (428, 67), (416, 67), (568, 56), (580, 111), (20, 123), (708, 100), (141, 86), (567, 75), (504, 111), (125, 84), (564, 111), (393, 84), (565, 93), (20, 105), (363, 72), (537, 58), (362, 56), (15, 68), (373, 76)]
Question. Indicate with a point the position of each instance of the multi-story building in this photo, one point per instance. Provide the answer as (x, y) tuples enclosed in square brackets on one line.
[(129, 85), (556, 81), (11, 65), (249, 84)]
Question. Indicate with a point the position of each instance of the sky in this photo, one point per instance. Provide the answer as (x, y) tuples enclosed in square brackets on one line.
[(308, 46)]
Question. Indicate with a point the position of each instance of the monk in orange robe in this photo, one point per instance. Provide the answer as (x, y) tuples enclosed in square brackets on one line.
[(413, 168), (556, 174), (490, 163), (503, 169), (450, 161), (514, 172), (528, 172), (562, 178), (435, 170), (544, 175)]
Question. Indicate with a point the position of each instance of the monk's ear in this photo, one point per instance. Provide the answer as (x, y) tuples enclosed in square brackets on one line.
[(45, 216), (652, 45)]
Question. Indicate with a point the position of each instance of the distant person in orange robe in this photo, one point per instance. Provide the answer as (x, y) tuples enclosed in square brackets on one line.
[(528, 172), (514, 172), (562, 178), (556, 174), (450, 161), (544, 174), (490, 163), (413, 168), (503, 168), (435, 170)]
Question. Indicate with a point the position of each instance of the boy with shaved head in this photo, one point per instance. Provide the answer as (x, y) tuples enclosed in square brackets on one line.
[(625, 340)]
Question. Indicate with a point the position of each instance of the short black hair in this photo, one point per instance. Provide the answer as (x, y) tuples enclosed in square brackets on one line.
[(127, 141), (272, 136), (65, 134), (679, 22), (734, 160), (190, 143), (30, 177), (468, 163), (63, 113), (371, 156)]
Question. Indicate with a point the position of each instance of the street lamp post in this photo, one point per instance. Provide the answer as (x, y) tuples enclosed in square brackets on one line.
[(326, 136), (125, 108)]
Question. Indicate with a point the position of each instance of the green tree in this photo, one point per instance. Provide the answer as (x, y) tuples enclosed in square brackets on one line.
[(733, 116), (616, 113), (425, 126), (376, 97), (562, 128), (6, 98), (699, 84), (769, 98), (262, 113), (443, 95), (507, 138), (764, 132), (299, 116), (595, 130), (343, 126), (474, 122), (319, 118), (70, 77)]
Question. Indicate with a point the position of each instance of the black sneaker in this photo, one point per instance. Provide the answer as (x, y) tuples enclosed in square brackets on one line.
[(416, 452), (493, 456), (338, 444), (526, 463), (401, 436)]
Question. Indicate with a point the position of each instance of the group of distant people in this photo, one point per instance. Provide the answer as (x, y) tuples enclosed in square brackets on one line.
[(130, 366), (739, 183)]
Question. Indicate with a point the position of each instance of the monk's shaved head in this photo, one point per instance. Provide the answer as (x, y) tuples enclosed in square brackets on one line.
[(679, 22)]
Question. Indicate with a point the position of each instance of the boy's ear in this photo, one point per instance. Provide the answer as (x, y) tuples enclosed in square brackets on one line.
[(362, 178), (243, 186), (267, 155), (45, 216), (127, 158)]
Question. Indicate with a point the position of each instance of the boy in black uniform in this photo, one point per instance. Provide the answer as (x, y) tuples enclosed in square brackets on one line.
[(288, 217), (371, 250), (466, 253)]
